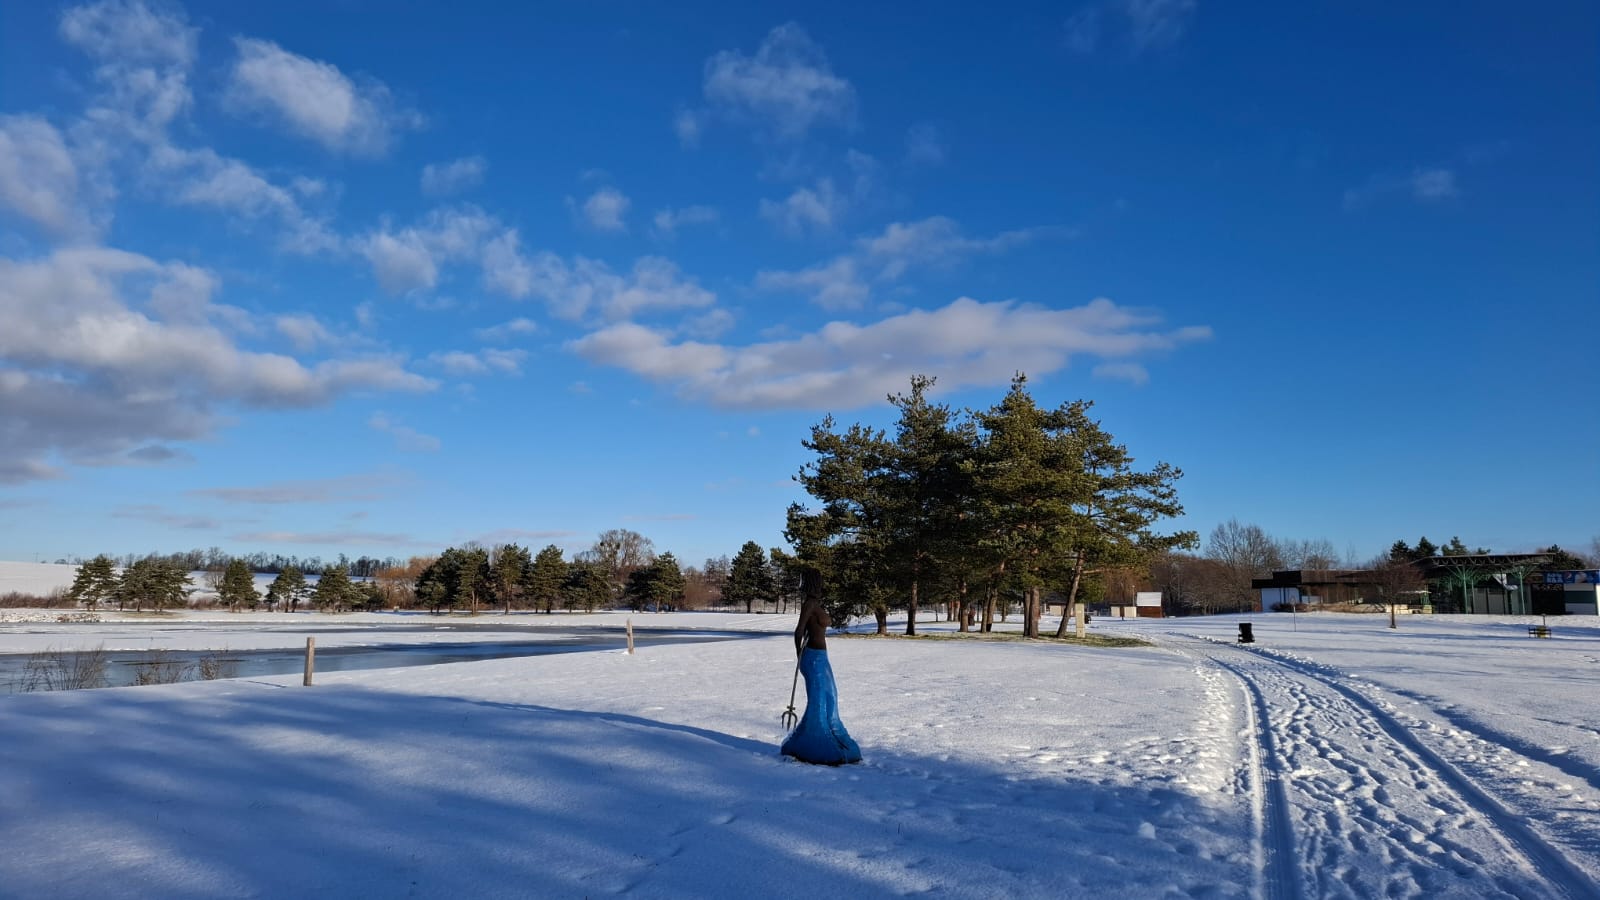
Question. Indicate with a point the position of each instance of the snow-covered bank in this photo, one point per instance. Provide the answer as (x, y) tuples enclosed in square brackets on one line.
[(997, 770), (1454, 757)]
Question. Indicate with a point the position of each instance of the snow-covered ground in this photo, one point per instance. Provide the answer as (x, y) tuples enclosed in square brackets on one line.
[(1454, 757), (38, 579)]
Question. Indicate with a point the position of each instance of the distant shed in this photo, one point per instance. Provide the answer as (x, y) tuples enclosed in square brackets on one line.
[(1145, 605)]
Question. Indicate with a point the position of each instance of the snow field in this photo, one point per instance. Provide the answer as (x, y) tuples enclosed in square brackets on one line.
[(995, 770), (1454, 757)]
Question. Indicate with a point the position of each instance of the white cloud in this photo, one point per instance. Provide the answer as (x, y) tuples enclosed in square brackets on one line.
[(205, 178), (38, 178), (1083, 30), (648, 352), (686, 124), (966, 343), (835, 285), (517, 327), (937, 242), (707, 325), (400, 262), (806, 209), (1123, 371), (484, 362), (1141, 25), (1434, 184), (788, 87), (130, 31), (409, 259), (405, 437), (605, 210), (346, 488), (144, 60), (668, 221), (586, 286), (303, 331), (1157, 23), (88, 375), (924, 146), (454, 176), (315, 100)]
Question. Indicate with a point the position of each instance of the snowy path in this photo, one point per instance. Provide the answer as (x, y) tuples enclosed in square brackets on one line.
[(1355, 799)]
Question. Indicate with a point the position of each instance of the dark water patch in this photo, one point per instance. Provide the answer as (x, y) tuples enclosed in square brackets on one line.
[(124, 668)]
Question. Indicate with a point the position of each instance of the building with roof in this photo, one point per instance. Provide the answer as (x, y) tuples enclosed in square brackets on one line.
[(1474, 583)]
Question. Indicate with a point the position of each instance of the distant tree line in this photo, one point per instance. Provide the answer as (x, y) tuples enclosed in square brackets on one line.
[(215, 559)]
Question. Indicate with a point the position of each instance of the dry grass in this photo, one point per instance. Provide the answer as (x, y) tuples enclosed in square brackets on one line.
[(1090, 640), (63, 670)]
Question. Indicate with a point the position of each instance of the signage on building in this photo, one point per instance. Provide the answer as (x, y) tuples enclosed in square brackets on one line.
[(1577, 576)]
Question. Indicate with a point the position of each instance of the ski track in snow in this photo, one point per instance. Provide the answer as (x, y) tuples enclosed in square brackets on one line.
[(1355, 799)]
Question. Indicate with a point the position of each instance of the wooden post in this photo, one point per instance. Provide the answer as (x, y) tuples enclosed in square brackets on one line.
[(1081, 611), (311, 659), (630, 635)]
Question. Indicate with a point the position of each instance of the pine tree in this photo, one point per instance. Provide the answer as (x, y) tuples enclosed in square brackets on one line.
[(509, 573), (95, 582), (473, 580), (1024, 490), (1115, 506), (588, 586), (333, 592), (238, 586), (666, 583), (750, 578), (288, 589), (545, 578), (158, 582), (923, 482)]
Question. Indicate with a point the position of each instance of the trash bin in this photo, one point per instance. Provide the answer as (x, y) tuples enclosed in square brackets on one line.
[(1245, 636)]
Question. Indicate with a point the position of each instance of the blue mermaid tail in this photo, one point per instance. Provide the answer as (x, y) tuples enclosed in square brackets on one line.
[(820, 737)]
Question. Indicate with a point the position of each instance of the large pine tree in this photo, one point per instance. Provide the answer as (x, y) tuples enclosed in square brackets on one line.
[(509, 574), (750, 578), (288, 589), (333, 592), (238, 588), (95, 582), (545, 578)]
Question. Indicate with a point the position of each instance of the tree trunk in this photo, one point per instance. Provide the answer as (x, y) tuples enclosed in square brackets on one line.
[(1030, 619), (911, 608), (961, 604), (1072, 597), (882, 615)]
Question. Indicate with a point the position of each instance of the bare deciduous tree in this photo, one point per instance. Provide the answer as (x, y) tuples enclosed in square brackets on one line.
[(1245, 552)]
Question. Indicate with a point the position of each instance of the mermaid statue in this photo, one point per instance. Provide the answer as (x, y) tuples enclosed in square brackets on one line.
[(820, 736)]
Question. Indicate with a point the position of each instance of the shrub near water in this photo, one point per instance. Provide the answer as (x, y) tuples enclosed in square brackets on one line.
[(61, 670)]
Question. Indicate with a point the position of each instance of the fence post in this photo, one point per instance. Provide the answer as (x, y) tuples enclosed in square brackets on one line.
[(311, 659), (630, 635)]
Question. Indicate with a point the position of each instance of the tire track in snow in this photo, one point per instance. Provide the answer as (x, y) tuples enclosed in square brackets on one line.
[(1378, 812), (1568, 879), (1278, 879)]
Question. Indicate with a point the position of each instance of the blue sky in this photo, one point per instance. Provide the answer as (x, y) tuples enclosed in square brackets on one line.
[(380, 278)]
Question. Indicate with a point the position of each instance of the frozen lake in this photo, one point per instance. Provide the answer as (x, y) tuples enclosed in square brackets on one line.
[(131, 667)]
